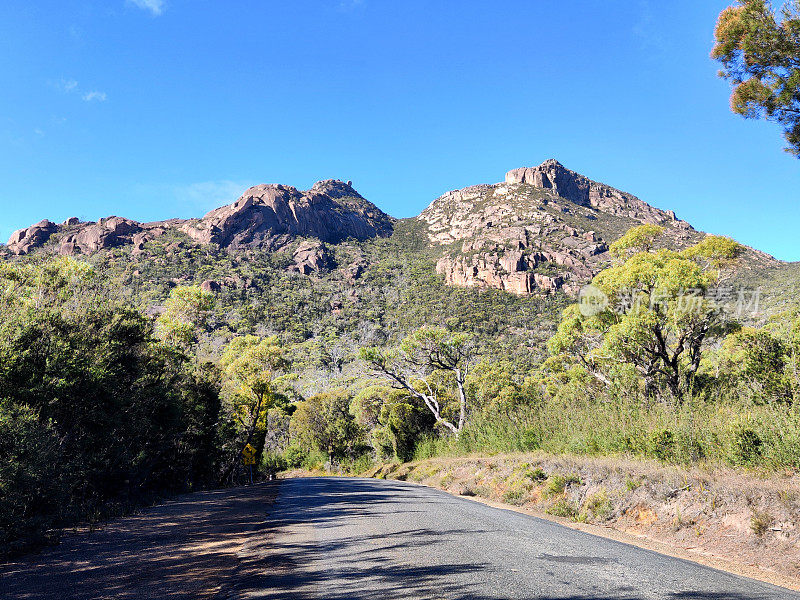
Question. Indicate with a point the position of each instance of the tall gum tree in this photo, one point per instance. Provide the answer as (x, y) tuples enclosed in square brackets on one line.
[(422, 355), (661, 309)]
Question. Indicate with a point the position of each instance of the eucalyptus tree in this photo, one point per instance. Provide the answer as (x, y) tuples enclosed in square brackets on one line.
[(415, 364)]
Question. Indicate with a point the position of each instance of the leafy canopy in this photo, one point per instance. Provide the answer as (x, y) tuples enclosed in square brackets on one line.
[(186, 312), (657, 317), (423, 364), (759, 49), (636, 239)]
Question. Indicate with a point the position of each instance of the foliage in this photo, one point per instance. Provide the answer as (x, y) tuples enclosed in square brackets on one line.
[(324, 422), (256, 373), (657, 319), (427, 355), (599, 505), (91, 389), (708, 430), (29, 459), (636, 239), (186, 312), (402, 421), (755, 360), (759, 49), (662, 444)]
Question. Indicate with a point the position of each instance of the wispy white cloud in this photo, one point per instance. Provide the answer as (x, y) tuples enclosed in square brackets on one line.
[(67, 85), (346, 5), (646, 29), (156, 7), (94, 96), (70, 86)]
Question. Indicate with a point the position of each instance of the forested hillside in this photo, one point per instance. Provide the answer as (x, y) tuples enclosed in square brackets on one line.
[(138, 360)]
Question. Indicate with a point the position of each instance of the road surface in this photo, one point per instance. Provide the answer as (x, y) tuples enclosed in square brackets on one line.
[(357, 539)]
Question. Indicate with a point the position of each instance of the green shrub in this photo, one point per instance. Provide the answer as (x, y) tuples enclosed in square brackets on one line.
[(599, 505), (555, 485), (295, 456), (315, 460), (536, 475), (661, 444), (362, 464), (563, 508), (531, 439), (746, 446), (29, 459), (632, 484), (515, 495), (272, 462)]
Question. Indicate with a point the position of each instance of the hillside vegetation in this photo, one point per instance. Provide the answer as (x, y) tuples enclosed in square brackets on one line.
[(138, 360)]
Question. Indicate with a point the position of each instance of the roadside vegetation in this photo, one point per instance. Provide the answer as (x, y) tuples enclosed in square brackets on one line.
[(105, 408), (662, 369)]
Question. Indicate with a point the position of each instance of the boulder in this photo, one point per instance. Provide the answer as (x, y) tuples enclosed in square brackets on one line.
[(209, 285), (106, 233), (25, 240), (310, 257), (138, 241)]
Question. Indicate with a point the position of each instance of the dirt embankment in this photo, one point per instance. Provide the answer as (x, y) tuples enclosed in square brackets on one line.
[(728, 519)]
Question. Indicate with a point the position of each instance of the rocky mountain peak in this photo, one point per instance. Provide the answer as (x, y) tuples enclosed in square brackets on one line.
[(552, 163), (545, 228), (336, 188), (581, 190), (271, 215), (266, 216)]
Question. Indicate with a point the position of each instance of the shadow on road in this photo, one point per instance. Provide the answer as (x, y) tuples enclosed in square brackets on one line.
[(224, 545), (179, 550), (277, 567)]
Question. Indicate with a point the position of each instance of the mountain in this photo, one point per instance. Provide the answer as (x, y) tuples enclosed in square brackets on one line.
[(543, 230), (265, 216)]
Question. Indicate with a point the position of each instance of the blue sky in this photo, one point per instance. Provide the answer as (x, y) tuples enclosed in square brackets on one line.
[(153, 109)]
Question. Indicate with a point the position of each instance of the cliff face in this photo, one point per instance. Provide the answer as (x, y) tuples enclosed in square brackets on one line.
[(576, 188), (271, 215), (265, 216), (545, 229)]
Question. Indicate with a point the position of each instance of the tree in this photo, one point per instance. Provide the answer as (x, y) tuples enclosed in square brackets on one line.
[(186, 312), (428, 352), (759, 49), (324, 422), (637, 239), (394, 419), (123, 414), (495, 387), (756, 359), (31, 494), (660, 311), (256, 370)]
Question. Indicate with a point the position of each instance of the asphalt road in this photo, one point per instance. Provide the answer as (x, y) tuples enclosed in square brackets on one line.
[(359, 539)]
